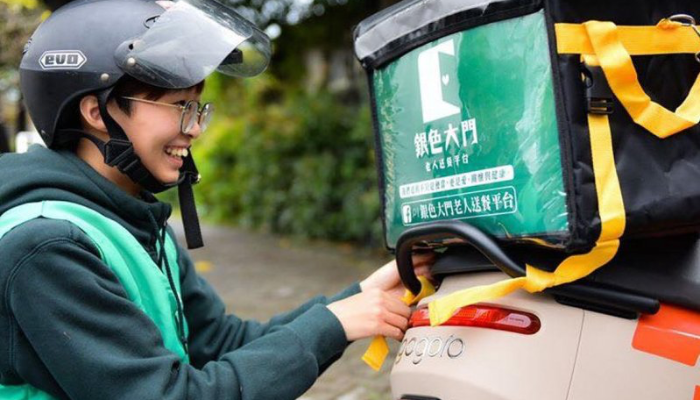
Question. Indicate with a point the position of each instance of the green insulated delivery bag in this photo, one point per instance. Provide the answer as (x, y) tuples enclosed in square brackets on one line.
[(559, 123)]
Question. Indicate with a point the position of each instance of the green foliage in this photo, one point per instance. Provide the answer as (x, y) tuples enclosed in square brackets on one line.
[(281, 159), (16, 25)]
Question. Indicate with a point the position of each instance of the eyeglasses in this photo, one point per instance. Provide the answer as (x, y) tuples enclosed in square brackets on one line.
[(191, 113)]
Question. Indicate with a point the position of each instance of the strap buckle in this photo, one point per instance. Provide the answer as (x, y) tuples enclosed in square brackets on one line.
[(599, 97), (120, 153), (117, 151)]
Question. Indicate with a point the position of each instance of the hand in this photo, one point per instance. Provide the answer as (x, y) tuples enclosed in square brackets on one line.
[(387, 277), (371, 313)]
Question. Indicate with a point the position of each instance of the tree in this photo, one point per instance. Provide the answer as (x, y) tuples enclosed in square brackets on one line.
[(16, 26)]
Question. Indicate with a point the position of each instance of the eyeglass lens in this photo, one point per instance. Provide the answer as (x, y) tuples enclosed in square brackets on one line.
[(191, 115)]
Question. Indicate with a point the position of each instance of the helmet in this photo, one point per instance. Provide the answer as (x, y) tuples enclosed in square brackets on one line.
[(87, 46)]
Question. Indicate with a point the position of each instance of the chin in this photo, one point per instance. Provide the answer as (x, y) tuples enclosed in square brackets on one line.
[(168, 178)]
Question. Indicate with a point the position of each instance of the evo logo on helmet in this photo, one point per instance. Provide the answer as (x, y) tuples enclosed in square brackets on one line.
[(432, 79), (62, 59), (418, 349)]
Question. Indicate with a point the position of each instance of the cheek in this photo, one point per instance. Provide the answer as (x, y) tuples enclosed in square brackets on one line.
[(151, 138), (144, 145), (150, 133)]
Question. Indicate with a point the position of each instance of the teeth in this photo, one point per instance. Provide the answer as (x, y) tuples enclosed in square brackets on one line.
[(177, 152)]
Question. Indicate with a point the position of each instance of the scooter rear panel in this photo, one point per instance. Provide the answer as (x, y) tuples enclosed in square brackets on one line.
[(624, 359), (576, 355), (459, 363)]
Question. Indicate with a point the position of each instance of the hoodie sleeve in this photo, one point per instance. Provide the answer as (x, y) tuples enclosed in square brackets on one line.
[(214, 333), (79, 337)]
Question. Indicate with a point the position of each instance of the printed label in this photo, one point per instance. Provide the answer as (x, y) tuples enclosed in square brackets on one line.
[(484, 203)]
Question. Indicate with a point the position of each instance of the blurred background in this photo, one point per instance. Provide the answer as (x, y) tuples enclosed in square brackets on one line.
[(289, 192)]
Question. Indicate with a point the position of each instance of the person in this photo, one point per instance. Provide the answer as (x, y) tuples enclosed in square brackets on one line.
[(98, 299)]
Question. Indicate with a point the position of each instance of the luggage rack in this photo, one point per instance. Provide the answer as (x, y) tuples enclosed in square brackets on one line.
[(584, 294)]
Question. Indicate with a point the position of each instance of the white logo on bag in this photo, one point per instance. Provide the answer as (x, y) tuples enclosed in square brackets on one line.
[(432, 80), (407, 217), (62, 59)]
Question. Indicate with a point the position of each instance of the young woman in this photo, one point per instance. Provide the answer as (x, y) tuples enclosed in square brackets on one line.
[(98, 301)]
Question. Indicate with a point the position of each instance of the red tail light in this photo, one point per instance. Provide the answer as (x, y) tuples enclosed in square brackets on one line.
[(484, 316)]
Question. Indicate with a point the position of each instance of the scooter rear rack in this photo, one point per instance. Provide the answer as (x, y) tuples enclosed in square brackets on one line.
[(583, 294)]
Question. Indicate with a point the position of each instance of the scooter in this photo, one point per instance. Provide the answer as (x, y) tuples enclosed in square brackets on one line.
[(604, 337), (519, 133)]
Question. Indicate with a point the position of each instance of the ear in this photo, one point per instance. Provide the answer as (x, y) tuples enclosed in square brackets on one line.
[(90, 113)]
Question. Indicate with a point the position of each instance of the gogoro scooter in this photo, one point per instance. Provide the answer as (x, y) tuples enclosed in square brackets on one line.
[(526, 140), (603, 338)]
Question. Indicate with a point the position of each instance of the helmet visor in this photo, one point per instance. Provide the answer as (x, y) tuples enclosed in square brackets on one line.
[(189, 41)]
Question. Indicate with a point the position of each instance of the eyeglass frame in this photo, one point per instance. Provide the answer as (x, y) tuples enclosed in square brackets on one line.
[(201, 108)]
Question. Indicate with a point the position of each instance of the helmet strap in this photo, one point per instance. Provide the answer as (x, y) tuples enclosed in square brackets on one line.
[(119, 152), (188, 207)]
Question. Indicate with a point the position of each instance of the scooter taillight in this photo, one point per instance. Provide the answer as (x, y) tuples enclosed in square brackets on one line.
[(484, 316)]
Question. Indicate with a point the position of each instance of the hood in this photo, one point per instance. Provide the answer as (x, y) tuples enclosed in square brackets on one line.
[(43, 174)]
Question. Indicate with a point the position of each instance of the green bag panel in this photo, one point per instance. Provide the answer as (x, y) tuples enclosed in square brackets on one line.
[(143, 281), (468, 131)]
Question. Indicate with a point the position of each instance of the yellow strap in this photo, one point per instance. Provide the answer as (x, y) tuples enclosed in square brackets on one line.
[(664, 38), (612, 215), (612, 46), (378, 350)]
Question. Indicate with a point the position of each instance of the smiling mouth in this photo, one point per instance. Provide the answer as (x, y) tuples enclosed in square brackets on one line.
[(180, 152)]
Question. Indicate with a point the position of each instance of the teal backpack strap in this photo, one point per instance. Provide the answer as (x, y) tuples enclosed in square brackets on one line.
[(23, 392), (145, 284)]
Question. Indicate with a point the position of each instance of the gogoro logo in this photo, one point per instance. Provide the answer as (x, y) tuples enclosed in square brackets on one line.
[(432, 81), (418, 349), (62, 59)]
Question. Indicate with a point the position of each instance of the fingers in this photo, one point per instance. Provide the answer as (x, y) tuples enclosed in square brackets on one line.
[(392, 332), (395, 318), (397, 321), (422, 271), (394, 305), (391, 316), (391, 325), (398, 291), (422, 262)]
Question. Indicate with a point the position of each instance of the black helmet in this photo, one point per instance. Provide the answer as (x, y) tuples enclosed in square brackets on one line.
[(87, 46)]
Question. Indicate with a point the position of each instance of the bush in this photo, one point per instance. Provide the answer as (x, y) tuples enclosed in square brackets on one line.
[(281, 159)]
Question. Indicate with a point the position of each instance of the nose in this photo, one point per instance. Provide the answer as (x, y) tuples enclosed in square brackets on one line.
[(195, 131)]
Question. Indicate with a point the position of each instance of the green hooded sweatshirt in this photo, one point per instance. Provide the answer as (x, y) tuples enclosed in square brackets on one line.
[(69, 329)]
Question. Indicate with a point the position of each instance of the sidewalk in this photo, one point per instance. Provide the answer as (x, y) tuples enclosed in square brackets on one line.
[(259, 276)]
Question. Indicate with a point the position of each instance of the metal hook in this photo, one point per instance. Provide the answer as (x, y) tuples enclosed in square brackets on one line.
[(687, 20), (684, 19)]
